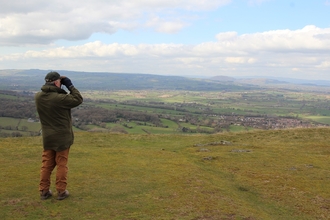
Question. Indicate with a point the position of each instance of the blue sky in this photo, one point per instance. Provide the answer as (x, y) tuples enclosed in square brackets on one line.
[(239, 16), (169, 37)]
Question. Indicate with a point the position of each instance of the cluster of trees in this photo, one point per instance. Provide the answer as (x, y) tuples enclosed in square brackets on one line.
[(12, 134), (96, 115), (18, 105), (157, 105), (15, 131), (16, 108)]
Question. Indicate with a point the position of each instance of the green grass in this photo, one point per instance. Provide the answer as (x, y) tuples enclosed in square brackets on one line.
[(160, 130), (195, 127), (24, 127), (281, 174), (6, 121), (149, 129), (3, 96), (321, 119), (237, 128), (32, 126), (169, 123)]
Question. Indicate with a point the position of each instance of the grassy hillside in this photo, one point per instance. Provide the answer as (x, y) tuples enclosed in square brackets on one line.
[(278, 174)]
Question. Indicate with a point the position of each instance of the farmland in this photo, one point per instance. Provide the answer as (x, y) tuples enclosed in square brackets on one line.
[(172, 112)]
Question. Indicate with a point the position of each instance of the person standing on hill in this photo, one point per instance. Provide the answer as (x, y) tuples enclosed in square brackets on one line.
[(54, 106)]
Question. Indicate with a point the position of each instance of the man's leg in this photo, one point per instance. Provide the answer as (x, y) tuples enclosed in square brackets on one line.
[(62, 170), (48, 164)]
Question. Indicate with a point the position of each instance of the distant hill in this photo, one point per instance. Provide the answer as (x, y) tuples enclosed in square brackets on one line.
[(261, 81), (34, 78), (223, 78), (266, 81), (283, 80)]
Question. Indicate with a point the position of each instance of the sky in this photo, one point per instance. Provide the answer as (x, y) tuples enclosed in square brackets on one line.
[(193, 38)]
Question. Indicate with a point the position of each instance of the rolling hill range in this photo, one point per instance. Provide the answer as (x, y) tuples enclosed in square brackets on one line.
[(282, 174), (33, 79)]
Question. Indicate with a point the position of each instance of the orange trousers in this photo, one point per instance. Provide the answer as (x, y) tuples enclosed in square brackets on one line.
[(50, 160)]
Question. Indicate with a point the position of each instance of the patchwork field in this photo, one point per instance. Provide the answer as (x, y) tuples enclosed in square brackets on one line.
[(175, 112)]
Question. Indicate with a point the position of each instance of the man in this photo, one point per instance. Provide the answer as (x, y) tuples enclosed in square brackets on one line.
[(54, 108)]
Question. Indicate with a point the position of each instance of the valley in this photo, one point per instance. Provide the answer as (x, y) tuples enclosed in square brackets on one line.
[(174, 112)]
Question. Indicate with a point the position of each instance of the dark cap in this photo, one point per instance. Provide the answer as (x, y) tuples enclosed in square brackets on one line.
[(52, 76)]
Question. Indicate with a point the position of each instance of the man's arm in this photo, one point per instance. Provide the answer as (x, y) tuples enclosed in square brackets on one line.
[(74, 98)]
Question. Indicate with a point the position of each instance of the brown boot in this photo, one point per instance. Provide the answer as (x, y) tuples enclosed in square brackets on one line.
[(45, 194), (63, 195)]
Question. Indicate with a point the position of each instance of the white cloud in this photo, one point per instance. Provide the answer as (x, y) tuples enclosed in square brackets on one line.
[(227, 36), (240, 60), (163, 26), (309, 38), (235, 60), (324, 65), (257, 2), (43, 22), (194, 5), (283, 52)]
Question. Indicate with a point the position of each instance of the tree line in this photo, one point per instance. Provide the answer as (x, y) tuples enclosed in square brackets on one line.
[(85, 115), (16, 108)]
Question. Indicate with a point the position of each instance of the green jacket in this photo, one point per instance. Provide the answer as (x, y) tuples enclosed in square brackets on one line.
[(54, 108)]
